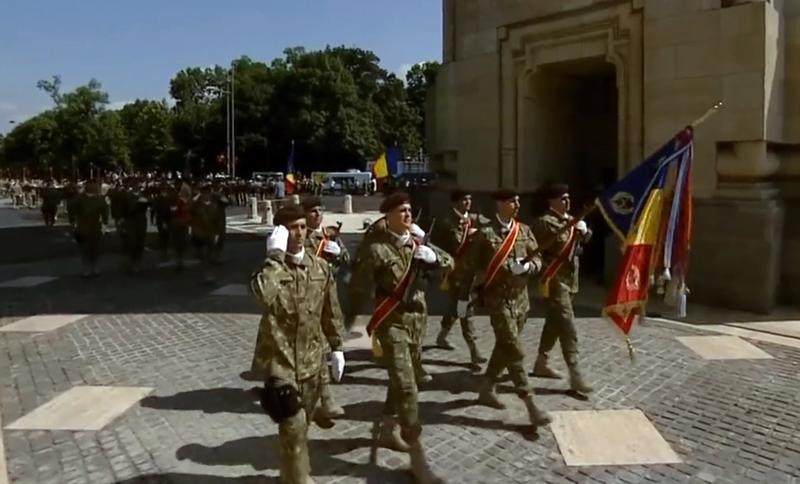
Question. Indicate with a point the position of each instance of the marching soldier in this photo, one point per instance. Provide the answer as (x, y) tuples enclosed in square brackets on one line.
[(324, 242), (503, 257), (160, 215), (559, 283), (291, 342), (133, 226), (222, 200), (388, 268), (204, 218), (91, 213), (376, 232), (51, 196), (179, 222), (456, 231)]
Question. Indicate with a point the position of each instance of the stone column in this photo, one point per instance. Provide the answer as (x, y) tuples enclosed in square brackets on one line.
[(736, 252), (348, 204), (253, 208), (266, 219), (296, 199)]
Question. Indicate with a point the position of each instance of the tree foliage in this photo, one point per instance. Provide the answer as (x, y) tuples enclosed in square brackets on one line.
[(338, 105)]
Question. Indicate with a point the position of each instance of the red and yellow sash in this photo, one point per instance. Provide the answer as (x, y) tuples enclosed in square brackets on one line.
[(552, 269), (463, 243), (390, 303), (322, 242), (502, 253)]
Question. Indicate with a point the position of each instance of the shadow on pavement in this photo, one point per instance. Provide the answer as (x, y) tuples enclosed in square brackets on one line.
[(211, 400)]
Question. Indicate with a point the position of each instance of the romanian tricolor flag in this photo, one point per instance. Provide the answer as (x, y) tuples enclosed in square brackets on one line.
[(291, 182), (650, 211), (386, 164)]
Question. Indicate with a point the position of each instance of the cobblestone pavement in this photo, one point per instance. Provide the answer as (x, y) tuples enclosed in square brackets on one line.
[(727, 420)]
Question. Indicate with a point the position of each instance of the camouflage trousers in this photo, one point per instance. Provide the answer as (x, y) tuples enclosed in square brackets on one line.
[(295, 465), (467, 328), (401, 395), (559, 325), (89, 246), (508, 352)]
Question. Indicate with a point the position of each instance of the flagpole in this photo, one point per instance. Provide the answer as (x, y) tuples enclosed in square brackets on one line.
[(711, 111)]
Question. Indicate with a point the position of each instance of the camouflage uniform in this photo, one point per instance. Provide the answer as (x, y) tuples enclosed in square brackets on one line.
[(91, 213), (179, 203), (160, 210), (449, 238), (204, 219), (222, 201), (507, 301), (376, 232), (559, 322), (51, 196), (301, 312), (315, 238), (133, 226), (380, 268)]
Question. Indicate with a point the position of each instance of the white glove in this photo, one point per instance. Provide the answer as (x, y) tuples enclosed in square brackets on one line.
[(518, 268), (416, 231), (279, 239), (332, 248), (461, 308), (581, 227), (337, 365), (425, 254)]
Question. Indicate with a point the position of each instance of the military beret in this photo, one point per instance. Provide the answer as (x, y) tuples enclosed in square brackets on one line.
[(393, 201), (458, 194), (554, 190), (504, 194), (311, 202), (288, 214)]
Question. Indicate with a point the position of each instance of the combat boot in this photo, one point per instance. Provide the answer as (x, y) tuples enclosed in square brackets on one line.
[(537, 417), (542, 370), (475, 355), (419, 466), (441, 341), (576, 382), (488, 396), (329, 407), (390, 437)]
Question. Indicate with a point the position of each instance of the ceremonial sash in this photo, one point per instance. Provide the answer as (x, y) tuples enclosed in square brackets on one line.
[(321, 243), (463, 243), (390, 303), (552, 269), (501, 254)]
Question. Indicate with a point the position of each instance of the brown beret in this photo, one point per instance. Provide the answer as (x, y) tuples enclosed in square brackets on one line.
[(458, 194), (504, 194), (310, 202), (288, 214), (393, 201), (554, 190)]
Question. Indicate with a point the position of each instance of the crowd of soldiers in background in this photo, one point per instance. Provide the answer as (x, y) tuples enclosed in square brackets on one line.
[(183, 212)]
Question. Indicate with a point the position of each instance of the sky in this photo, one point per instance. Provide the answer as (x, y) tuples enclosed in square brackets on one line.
[(134, 47)]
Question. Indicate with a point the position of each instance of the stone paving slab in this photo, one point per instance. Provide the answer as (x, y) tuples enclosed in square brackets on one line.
[(723, 348), (42, 323)]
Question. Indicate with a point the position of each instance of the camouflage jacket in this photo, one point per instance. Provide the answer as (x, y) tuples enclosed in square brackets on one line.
[(91, 213), (134, 209), (315, 238), (506, 288), (204, 215), (381, 269), (300, 314), (545, 228)]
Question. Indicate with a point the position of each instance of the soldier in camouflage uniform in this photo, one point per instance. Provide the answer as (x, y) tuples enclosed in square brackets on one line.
[(51, 196), (375, 232), (453, 235), (180, 201), (381, 271), (91, 213), (133, 225), (560, 284), (325, 242), (501, 272), (160, 215), (204, 219), (222, 200), (291, 341)]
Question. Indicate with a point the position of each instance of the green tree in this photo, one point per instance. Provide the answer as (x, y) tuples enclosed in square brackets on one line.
[(33, 143), (147, 126), (419, 80)]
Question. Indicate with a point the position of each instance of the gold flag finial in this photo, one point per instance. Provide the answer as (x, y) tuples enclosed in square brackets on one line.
[(631, 351)]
